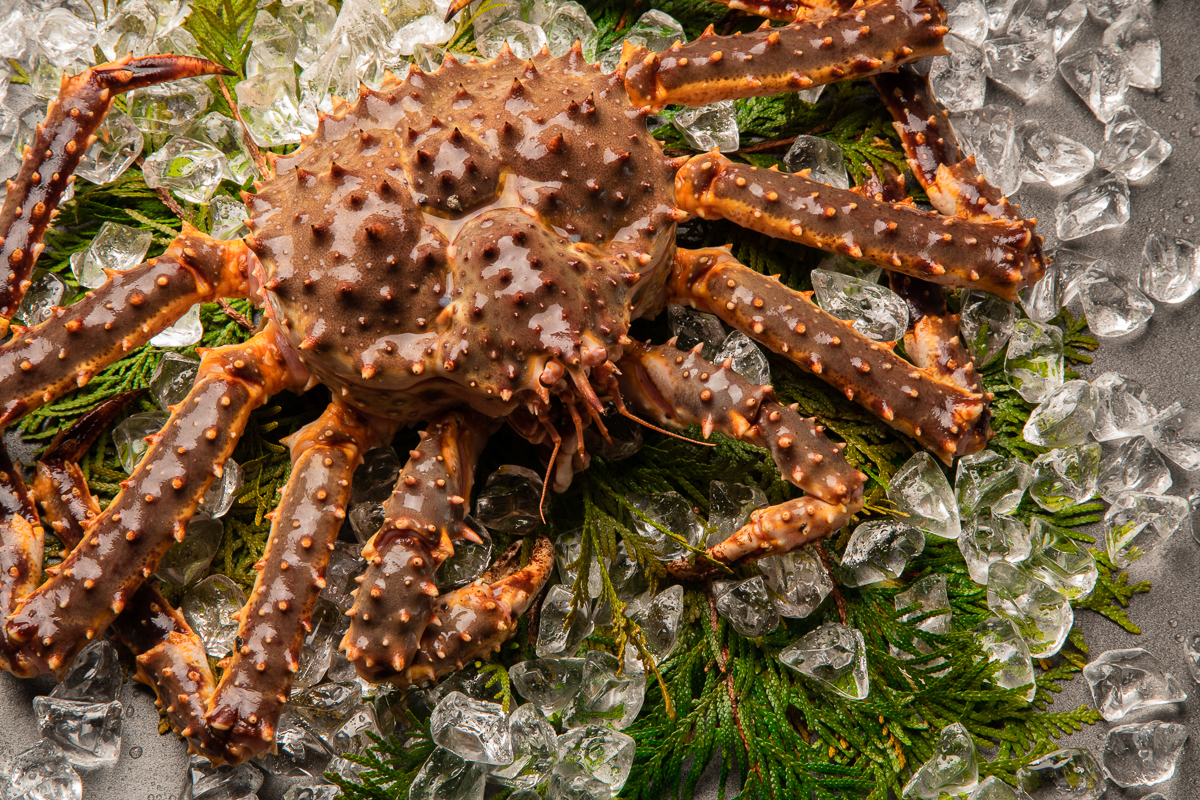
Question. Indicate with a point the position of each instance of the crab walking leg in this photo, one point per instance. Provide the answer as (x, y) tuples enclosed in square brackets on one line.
[(999, 256), (790, 10), (125, 543), (62, 140), (947, 419), (21, 551), (44, 362), (258, 676), (425, 514), (680, 389), (473, 621), (868, 39)]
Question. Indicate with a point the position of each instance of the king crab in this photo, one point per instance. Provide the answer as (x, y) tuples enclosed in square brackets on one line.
[(469, 247)]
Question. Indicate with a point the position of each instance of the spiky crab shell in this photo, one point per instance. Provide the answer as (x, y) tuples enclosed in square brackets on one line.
[(444, 238)]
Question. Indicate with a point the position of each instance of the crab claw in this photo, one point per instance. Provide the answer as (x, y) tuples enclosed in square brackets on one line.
[(455, 7), (472, 622)]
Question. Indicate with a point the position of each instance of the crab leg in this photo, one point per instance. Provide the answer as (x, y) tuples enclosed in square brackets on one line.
[(21, 550), (395, 599), (868, 39), (999, 256), (44, 362), (126, 542), (947, 419), (62, 140), (258, 676), (472, 622), (791, 10)]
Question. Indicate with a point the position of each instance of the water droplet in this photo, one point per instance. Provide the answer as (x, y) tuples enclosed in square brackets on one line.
[(1178, 115), (1174, 623), (1181, 203), (1195, 131), (135, 751), (1189, 218), (1168, 99), (1179, 637)]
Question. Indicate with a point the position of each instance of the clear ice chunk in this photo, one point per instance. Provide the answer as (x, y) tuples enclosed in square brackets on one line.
[(300, 752), (326, 706), (654, 30), (822, 157), (1068, 774), (1065, 477), (834, 655), (224, 133), (1050, 157), (712, 126), (88, 733), (998, 13), (1135, 467), (469, 560), (1034, 362), (924, 597), (568, 555), (1122, 409), (320, 791), (1138, 522), (660, 619), (510, 500), (604, 753), (1108, 10), (1174, 432), (990, 134), (130, 436), (992, 788), (221, 495), (1041, 613), (1132, 148), (354, 736), (166, 108), (880, 550), (270, 107), (798, 582), (316, 652), (228, 218), (43, 295), (523, 39), (116, 247), (730, 505), (1100, 76), (1170, 269), (953, 768), (1061, 17), (1143, 753), (1191, 654), (188, 560), (93, 677), (653, 515), (988, 538), (570, 781), (968, 20), (876, 311), (118, 144), (749, 607), (1060, 561), (611, 692), (959, 79), (747, 358), (1099, 205), (188, 169), (549, 683), (986, 323), (692, 327), (312, 21), (210, 608), (1064, 418), (560, 630), (999, 638), (535, 749), (472, 729), (1023, 65), (273, 46), (1124, 681), (1133, 33), (565, 24), (923, 497), (43, 773), (989, 480), (345, 564), (1044, 299), (203, 781), (185, 332), (445, 776)]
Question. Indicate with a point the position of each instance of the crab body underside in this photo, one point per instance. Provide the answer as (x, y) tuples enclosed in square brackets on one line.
[(467, 247)]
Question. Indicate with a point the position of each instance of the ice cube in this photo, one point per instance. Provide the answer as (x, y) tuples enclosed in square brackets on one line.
[(312, 21), (958, 80), (604, 753), (44, 293), (43, 773), (876, 311), (472, 729), (316, 653), (834, 655), (953, 768), (223, 133), (510, 500), (88, 733), (118, 144), (611, 692), (1061, 17), (1069, 774), (228, 218), (1064, 418), (988, 538), (1170, 269), (1044, 299), (1174, 433), (968, 20), (1100, 76), (1073, 267), (1060, 561), (989, 480), (693, 327), (535, 749), (469, 559), (992, 788), (986, 323), (1143, 754), (300, 751), (345, 564), (1133, 33), (569, 781), (1138, 522), (211, 608), (173, 378), (1099, 205), (654, 30), (879, 550), (1066, 477), (189, 169), (326, 706), (1034, 363), (1002, 642), (730, 505), (1135, 467), (798, 581), (166, 108), (659, 620), (445, 776), (561, 629), (568, 554), (270, 107), (1131, 147), (272, 47), (93, 677), (203, 781), (747, 358), (1191, 654), (130, 28), (549, 683), (116, 247), (130, 437), (653, 515), (833, 262), (822, 157), (524, 39), (998, 13), (220, 496), (1023, 65), (923, 497), (625, 438), (711, 126), (1041, 613), (320, 791), (924, 596), (1121, 410), (13, 39), (185, 332), (567, 23), (990, 134), (188, 560), (749, 607), (1124, 681), (1052, 158)]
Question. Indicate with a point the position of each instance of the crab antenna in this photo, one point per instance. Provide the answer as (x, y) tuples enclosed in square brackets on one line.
[(549, 472)]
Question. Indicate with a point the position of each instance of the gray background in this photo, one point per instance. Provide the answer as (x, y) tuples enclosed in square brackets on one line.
[(1164, 358)]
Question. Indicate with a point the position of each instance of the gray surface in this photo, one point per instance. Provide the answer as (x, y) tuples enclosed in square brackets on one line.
[(1164, 358)]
